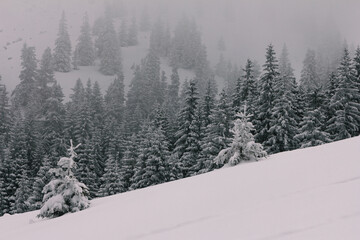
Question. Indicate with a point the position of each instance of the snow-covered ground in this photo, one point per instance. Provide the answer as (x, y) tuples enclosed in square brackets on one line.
[(304, 194), (38, 27)]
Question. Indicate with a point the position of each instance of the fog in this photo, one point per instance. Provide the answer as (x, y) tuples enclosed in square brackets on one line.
[(247, 26)]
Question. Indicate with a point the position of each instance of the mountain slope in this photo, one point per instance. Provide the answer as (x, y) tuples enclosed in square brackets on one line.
[(312, 193)]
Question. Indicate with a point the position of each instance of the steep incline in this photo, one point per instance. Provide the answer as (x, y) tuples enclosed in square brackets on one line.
[(304, 194)]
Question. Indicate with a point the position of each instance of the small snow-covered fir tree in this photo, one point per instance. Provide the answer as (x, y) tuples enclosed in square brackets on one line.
[(64, 193), (243, 146)]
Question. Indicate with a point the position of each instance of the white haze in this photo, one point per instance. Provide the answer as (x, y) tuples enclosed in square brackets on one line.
[(247, 26)]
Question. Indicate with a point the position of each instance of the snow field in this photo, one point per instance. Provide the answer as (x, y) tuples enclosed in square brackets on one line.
[(304, 194)]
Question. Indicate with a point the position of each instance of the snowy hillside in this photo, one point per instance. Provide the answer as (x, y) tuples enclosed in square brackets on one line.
[(304, 194), (41, 33)]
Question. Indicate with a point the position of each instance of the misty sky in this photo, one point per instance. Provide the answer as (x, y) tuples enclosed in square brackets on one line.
[(247, 26)]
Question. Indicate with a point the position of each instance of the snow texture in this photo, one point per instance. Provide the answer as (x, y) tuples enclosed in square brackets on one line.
[(310, 193)]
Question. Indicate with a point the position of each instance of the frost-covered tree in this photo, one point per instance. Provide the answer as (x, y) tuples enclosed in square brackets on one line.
[(109, 49), (283, 122), (345, 103), (187, 145), (237, 96), (123, 34), (152, 166), (185, 45), (145, 20), (172, 101), (264, 109), (5, 119), (64, 193), (128, 162), (132, 34), (309, 76), (110, 182), (311, 127), (45, 76), (357, 63), (21, 203), (62, 53), (249, 92), (24, 93), (42, 178), (243, 146), (85, 48)]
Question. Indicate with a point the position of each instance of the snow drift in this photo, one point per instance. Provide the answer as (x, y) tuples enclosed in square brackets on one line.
[(312, 193)]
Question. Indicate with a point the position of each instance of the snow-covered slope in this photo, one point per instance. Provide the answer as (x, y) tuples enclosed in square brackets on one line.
[(305, 194), (38, 27)]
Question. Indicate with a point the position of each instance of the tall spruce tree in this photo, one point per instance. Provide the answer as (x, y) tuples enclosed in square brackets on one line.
[(127, 170), (152, 166), (249, 92), (283, 122), (123, 34), (109, 49), (24, 93), (172, 101), (85, 48), (311, 127), (309, 75), (345, 102), (45, 77), (5, 119), (62, 54), (187, 146), (267, 96), (132, 34)]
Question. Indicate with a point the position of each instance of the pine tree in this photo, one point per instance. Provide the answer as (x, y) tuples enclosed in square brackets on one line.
[(151, 167), (283, 122), (309, 77), (237, 96), (8, 184), (45, 76), (267, 96), (24, 93), (127, 170), (217, 134), (109, 50), (249, 91), (42, 178), (53, 124), (345, 103), (243, 146), (132, 34), (357, 63), (123, 34), (64, 193), (310, 129), (62, 54), (145, 20), (187, 146), (186, 45), (22, 194), (5, 119), (84, 47), (111, 183), (115, 99), (172, 101), (221, 67)]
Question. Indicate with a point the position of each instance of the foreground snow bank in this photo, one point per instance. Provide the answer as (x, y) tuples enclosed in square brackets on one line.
[(304, 194)]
